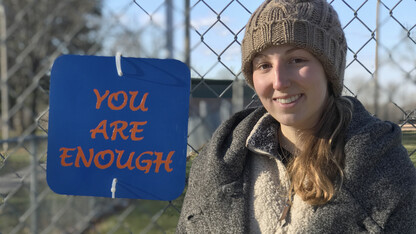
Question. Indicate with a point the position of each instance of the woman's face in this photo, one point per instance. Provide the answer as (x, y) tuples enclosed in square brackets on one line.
[(291, 85)]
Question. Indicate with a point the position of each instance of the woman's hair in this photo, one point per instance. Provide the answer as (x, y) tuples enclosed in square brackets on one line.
[(318, 165)]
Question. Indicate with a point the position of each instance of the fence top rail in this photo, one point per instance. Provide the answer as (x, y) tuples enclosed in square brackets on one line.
[(24, 139)]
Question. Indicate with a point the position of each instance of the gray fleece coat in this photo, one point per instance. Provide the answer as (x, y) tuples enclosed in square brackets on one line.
[(378, 194)]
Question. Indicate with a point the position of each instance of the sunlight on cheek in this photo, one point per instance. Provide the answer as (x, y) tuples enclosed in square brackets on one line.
[(307, 72), (263, 86), (312, 74)]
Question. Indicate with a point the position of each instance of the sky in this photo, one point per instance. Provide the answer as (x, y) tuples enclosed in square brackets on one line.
[(397, 48)]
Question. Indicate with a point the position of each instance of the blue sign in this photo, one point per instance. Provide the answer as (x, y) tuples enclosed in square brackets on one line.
[(118, 136)]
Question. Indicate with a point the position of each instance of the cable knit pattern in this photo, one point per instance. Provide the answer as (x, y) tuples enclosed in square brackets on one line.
[(308, 24)]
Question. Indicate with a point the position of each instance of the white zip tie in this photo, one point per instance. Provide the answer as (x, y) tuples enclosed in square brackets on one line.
[(118, 64), (113, 188)]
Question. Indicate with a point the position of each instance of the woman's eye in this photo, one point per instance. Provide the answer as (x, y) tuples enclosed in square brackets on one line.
[(297, 60), (263, 66)]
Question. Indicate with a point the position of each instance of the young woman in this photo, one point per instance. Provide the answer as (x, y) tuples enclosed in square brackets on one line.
[(309, 160)]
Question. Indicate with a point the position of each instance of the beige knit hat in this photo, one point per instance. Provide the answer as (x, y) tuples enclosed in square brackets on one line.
[(308, 24)]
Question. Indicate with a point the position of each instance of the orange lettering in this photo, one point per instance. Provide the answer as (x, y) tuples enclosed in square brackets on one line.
[(128, 163), (118, 130), (65, 155), (142, 103), (147, 161), (115, 96), (158, 161), (81, 155), (135, 130), (101, 128), (102, 155), (105, 159), (100, 98)]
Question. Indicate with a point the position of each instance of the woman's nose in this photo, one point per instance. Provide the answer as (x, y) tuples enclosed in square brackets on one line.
[(281, 79)]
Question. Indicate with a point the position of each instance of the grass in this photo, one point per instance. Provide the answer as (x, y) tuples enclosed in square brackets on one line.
[(409, 142), (142, 218), (145, 210), (14, 162)]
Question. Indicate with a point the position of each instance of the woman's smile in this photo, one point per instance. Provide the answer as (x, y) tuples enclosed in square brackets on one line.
[(288, 99)]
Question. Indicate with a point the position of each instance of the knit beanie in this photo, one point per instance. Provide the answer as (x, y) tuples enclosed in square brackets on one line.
[(309, 24)]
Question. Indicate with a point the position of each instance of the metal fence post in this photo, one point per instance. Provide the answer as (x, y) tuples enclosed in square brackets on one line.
[(4, 86), (377, 63), (34, 186), (169, 28), (187, 34)]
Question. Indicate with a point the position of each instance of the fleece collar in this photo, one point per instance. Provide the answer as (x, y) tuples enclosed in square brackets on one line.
[(263, 138)]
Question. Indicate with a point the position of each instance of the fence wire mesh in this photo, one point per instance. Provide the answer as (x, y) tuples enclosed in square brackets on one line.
[(206, 35)]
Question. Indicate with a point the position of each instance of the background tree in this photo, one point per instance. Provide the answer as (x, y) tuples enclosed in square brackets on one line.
[(38, 31)]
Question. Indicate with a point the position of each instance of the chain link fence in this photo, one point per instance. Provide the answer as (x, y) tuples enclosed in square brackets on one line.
[(206, 35)]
